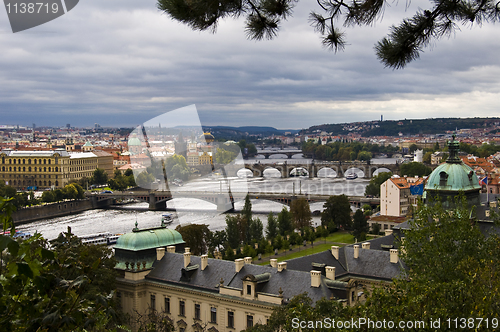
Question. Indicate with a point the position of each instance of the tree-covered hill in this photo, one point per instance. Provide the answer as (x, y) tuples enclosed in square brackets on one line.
[(406, 126)]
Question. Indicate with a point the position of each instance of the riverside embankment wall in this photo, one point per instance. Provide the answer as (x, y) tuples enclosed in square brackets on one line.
[(60, 209)]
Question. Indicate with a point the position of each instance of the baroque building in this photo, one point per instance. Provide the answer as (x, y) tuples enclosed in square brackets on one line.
[(27, 170), (157, 274)]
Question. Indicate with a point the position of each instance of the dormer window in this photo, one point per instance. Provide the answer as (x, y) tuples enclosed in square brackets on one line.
[(249, 289)]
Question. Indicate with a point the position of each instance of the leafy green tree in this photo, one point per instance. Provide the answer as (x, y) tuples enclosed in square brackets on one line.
[(301, 213), (272, 226), (373, 188), (285, 221), (7, 191), (58, 194), (218, 240), (48, 196), (359, 225), (120, 182), (197, 237), (364, 155), (223, 156), (233, 230), (415, 169), (412, 148), (256, 229), (70, 191), (427, 157), (176, 168), (145, 179), (337, 210), (64, 286), (246, 212), (100, 177), (367, 209), (376, 228)]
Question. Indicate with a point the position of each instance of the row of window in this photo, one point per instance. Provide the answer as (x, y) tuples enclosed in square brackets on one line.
[(36, 183), (34, 176), (13, 161), (197, 312), (14, 169), (82, 168), (82, 161)]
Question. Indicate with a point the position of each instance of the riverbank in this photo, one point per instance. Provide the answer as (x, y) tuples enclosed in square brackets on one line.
[(54, 210)]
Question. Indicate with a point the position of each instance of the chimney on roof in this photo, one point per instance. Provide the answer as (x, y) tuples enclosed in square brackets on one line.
[(171, 249), (248, 260), (273, 262), (238, 264), (388, 232), (365, 245), (356, 250), (187, 249), (160, 252), (394, 256), (315, 278), (330, 272), (281, 266), (187, 258), (335, 252), (204, 262)]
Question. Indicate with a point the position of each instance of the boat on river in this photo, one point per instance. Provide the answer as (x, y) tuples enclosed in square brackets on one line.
[(18, 235), (351, 176), (167, 218), (101, 238)]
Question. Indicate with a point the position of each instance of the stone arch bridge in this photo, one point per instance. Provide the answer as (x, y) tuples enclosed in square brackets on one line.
[(225, 201), (340, 167)]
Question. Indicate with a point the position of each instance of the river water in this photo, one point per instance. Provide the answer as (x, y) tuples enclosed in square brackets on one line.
[(188, 210)]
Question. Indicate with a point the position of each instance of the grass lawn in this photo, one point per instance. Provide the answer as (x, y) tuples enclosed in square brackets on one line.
[(319, 245), (305, 252), (340, 237)]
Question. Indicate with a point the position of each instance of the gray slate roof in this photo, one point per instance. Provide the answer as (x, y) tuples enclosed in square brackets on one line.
[(372, 263), (292, 282)]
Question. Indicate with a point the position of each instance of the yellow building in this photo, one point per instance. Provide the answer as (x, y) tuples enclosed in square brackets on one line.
[(41, 169), (26, 170)]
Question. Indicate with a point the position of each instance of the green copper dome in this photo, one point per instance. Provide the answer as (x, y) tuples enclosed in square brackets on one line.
[(142, 239), (134, 141), (453, 175)]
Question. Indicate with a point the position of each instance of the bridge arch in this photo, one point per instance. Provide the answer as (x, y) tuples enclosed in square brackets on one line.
[(327, 172), (380, 170), (355, 170), (299, 171), (271, 172), (245, 173)]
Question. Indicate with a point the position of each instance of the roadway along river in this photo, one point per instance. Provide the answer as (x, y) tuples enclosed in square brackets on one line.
[(193, 210)]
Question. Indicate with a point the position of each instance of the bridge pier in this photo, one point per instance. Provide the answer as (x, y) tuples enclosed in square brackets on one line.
[(101, 203), (224, 203), (312, 170), (156, 206)]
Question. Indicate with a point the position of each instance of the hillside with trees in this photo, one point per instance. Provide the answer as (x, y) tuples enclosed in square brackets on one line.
[(406, 126)]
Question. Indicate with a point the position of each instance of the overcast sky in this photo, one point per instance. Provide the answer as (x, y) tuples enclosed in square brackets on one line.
[(122, 62)]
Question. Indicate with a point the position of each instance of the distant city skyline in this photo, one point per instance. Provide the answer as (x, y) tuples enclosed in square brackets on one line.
[(120, 63)]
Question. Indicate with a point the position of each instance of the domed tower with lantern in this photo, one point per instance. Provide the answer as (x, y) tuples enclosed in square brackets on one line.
[(451, 178)]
